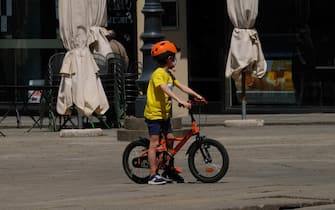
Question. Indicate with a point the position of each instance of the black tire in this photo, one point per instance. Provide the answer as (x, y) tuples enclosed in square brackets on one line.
[(216, 168), (133, 150)]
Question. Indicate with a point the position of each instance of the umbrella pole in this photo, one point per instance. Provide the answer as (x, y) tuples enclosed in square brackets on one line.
[(244, 97), (80, 120)]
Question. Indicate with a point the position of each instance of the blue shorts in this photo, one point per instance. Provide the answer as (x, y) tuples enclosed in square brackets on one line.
[(156, 127)]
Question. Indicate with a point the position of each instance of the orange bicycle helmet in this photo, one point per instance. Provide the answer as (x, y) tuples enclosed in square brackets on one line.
[(163, 47)]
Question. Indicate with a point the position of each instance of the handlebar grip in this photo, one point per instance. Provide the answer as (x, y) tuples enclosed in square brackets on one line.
[(180, 105)]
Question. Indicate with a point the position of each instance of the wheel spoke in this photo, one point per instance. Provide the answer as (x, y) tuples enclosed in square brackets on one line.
[(208, 161), (135, 166)]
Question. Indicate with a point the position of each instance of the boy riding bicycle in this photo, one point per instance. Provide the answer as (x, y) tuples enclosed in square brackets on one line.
[(157, 111)]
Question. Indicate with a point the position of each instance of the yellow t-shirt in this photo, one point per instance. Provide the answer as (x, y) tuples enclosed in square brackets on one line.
[(158, 105)]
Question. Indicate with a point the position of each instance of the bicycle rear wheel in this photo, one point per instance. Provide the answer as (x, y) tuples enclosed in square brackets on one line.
[(135, 163), (208, 160)]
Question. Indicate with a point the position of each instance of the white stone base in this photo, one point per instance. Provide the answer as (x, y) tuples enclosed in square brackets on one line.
[(244, 123), (81, 132)]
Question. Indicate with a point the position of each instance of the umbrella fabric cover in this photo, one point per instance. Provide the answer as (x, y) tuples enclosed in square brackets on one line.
[(80, 84), (98, 35), (80, 80), (74, 13), (245, 47)]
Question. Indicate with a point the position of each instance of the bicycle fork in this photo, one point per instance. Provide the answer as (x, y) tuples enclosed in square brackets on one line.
[(204, 152)]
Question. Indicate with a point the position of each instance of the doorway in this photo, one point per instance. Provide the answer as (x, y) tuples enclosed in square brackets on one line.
[(208, 32)]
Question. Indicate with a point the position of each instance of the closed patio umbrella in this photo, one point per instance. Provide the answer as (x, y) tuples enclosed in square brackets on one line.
[(245, 53), (80, 23)]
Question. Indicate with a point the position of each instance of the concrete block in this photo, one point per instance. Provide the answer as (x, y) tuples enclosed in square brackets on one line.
[(244, 123), (81, 132), (135, 123)]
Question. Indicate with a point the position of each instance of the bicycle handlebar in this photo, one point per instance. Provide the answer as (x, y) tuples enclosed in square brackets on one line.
[(200, 101), (195, 101)]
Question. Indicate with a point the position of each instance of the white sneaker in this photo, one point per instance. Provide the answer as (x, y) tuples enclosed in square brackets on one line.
[(156, 180)]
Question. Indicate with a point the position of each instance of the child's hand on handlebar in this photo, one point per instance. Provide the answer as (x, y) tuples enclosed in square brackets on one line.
[(196, 100), (200, 99), (185, 104)]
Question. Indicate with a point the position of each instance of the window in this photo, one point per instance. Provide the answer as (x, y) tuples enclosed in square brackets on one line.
[(170, 15)]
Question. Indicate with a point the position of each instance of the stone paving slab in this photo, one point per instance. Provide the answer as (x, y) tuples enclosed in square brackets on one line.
[(272, 167)]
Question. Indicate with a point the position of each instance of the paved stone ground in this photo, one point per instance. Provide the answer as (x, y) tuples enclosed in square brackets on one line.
[(272, 167)]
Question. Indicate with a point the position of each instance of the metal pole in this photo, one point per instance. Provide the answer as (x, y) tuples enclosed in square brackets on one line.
[(152, 11), (244, 97)]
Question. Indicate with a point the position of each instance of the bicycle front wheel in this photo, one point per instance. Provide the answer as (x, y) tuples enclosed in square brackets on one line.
[(135, 161), (208, 160)]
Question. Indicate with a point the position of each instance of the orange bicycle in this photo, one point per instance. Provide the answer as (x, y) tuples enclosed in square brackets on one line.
[(208, 159)]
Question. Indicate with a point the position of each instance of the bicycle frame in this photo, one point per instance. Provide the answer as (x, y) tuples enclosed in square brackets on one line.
[(194, 131), (182, 140)]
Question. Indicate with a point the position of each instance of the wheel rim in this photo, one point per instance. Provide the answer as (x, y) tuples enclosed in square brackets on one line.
[(208, 168), (140, 173)]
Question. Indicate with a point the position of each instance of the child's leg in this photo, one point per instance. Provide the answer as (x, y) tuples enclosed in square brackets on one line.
[(154, 141)]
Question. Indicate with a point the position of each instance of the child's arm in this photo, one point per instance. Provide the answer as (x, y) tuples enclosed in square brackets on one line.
[(174, 96), (188, 90)]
